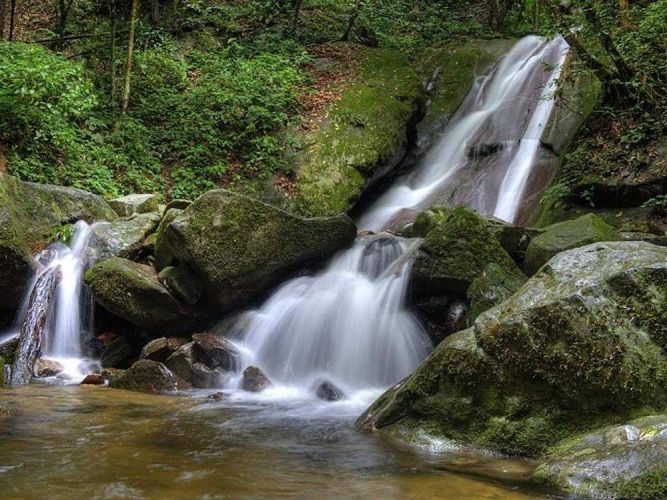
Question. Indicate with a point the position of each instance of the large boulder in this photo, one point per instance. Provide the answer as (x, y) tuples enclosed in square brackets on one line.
[(30, 214), (123, 237), (364, 135), (239, 247), (556, 238), (160, 349), (146, 376), (603, 462), (182, 283), (133, 292), (582, 343), (163, 254), (134, 204), (456, 250)]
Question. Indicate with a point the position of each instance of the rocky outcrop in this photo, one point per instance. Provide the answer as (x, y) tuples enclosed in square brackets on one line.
[(123, 237), (566, 235), (145, 376), (238, 247), (602, 464), (133, 292), (582, 343), (29, 216), (456, 250), (134, 204), (364, 136)]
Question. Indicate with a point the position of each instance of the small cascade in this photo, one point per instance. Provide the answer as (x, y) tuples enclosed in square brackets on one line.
[(347, 325), (57, 310), (489, 157)]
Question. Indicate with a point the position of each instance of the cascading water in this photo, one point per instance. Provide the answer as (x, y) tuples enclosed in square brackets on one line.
[(488, 154), (349, 324), (57, 310)]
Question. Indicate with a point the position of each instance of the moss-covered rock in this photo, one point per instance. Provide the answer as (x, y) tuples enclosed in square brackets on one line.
[(580, 345), (133, 292), (183, 283), (566, 235), (364, 135), (626, 461), (146, 376), (238, 246), (29, 216), (456, 250)]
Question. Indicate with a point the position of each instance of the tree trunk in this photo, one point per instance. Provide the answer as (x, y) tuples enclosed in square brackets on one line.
[(297, 9), (63, 12), (155, 11), (2, 19), (112, 69), (12, 20), (128, 64), (353, 18), (623, 5)]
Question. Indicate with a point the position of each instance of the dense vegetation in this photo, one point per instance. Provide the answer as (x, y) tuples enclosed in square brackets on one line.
[(214, 92)]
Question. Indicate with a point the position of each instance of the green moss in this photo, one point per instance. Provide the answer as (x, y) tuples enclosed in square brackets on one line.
[(365, 132), (563, 236), (456, 251), (649, 486)]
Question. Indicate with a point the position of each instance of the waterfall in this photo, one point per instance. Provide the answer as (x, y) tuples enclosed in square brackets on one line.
[(490, 151), (57, 309), (349, 324)]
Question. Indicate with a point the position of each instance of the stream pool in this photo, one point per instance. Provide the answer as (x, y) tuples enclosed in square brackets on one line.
[(97, 442)]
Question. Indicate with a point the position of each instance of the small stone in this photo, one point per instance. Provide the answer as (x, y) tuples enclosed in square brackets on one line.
[(47, 368), (329, 392), (218, 396), (254, 380), (93, 379), (110, 374), (160, 349)]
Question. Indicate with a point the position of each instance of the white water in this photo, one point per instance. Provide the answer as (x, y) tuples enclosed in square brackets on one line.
[(70, 316), (508, 106), (349, 324)]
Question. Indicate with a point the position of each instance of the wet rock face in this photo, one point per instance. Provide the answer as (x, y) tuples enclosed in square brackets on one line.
[(146, 376), (254, 380), (582, 343), (133, 292), (238, 247), (600, 462)]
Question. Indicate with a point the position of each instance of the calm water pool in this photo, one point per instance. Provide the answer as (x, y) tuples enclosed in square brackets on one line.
[(78, 441)]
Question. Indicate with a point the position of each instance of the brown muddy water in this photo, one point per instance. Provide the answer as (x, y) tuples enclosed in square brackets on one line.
[(97, 442)]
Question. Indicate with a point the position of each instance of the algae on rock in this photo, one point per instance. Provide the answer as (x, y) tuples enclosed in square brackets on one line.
[(580, 345)]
